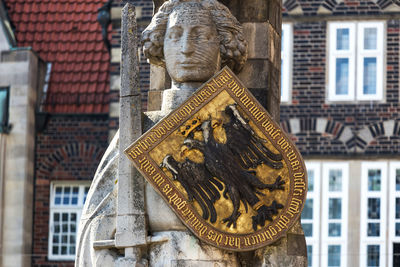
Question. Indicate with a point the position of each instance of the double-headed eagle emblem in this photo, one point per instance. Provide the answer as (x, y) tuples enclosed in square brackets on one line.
[(225, 168), (228, 168)]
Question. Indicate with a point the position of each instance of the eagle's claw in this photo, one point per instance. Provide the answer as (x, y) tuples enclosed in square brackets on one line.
[(231, 220), (278, 185), (265, 213)]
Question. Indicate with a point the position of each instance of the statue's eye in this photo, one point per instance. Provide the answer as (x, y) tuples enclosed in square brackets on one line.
[(184, 132), (200, 32), (194, 122), (187, 127), (175, 34)]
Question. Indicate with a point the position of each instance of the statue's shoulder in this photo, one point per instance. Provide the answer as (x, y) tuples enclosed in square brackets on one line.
[(151, 118)]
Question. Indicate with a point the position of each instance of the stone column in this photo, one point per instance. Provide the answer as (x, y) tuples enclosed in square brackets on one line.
[(262, 22), (19, 71), (131, 229)]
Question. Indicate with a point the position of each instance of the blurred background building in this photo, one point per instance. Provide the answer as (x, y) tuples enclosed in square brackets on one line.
[(340, 103), (59, 91)]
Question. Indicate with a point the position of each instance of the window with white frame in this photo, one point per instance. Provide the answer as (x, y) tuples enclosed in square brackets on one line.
[(373, 214), (394, 214), (355, 61), (334, 214), (286, 60), (310, 215), (66, 203)]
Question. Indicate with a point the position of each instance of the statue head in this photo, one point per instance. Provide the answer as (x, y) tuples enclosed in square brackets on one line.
[(193, 39)]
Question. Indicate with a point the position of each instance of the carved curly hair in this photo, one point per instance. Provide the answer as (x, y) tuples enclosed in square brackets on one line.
[(233, 46)]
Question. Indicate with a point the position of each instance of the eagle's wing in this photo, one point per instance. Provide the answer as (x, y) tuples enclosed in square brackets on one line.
[(198, 182), (246, 145), (202, 186)]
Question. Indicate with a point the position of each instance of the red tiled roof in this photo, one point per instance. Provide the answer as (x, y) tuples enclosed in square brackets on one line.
[(67, 34)]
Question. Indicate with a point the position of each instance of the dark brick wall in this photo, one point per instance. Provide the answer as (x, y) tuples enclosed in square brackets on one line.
[(69, 149), (356, 8), (347, 7), (309, 86)]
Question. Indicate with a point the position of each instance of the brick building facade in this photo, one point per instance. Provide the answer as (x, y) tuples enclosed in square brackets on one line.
[(67, 154), (340, 103), (341, 108), (71, 118)]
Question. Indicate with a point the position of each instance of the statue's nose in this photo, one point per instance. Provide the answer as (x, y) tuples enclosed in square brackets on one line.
[(187, 45)]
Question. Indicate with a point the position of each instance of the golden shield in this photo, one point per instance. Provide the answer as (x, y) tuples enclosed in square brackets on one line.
[(225, 167)]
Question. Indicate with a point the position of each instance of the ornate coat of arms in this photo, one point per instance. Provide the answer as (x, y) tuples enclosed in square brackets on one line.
[(225, 167)]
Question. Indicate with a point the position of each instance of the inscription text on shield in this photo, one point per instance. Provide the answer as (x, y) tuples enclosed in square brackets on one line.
[(225, 167)]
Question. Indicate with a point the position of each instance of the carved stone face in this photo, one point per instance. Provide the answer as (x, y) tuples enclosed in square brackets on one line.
[(191, 44)]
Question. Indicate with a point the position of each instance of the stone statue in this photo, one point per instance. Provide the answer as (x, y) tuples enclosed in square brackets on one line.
[(193, 39)]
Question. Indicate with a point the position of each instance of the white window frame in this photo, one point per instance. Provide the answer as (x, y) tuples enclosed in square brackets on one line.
[(393, 194), (67, 209), (365, 194), (326, 194), (335, 54), (315, 195), (286, 56), (356, 55), (362, 53)]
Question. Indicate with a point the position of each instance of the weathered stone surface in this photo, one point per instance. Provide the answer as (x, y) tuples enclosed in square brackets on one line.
[(273, 106), (160, 79), (289, 251), (255, 73), (274, 82), (256, 11), (129, 61), (131, 223), (17, 157), (154, 100), (98, 217), (264, 42), (161, 216), (261, 94), (275, 15), (170, 244), (254, 32), (183, 249), (12, 56), (14, 73), (173, 97)]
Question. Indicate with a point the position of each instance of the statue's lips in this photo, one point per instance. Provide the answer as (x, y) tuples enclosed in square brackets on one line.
[(188, 64)]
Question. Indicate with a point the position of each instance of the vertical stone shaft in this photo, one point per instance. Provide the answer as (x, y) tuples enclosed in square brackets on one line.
[(131, 227), (262, 23)]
